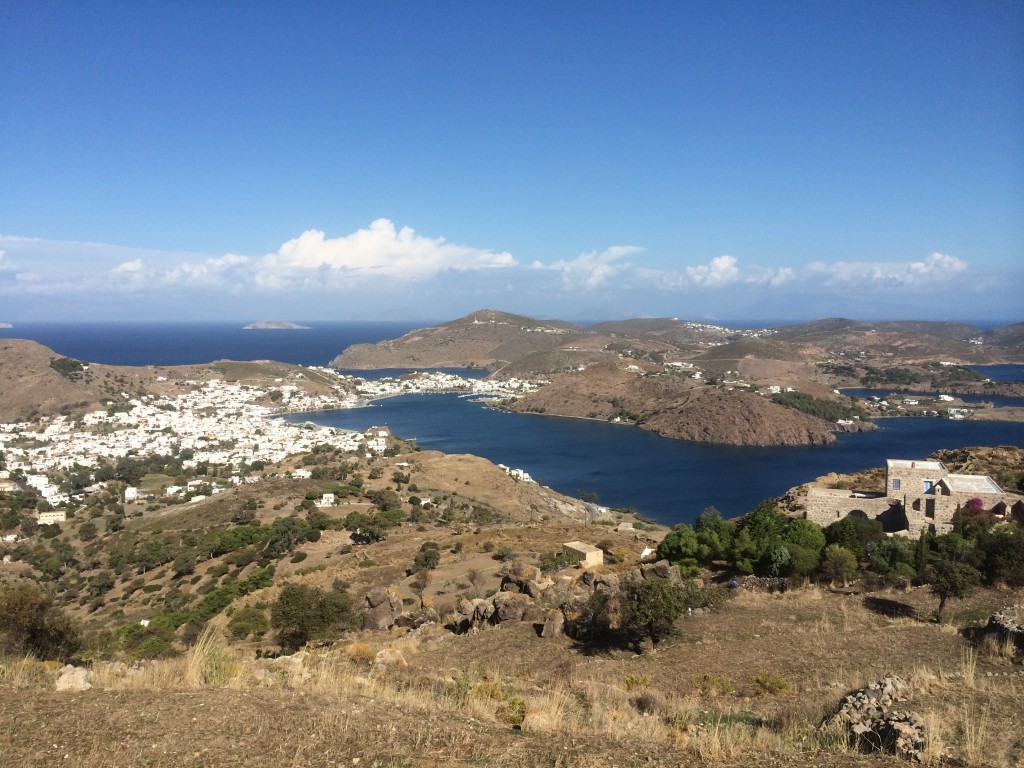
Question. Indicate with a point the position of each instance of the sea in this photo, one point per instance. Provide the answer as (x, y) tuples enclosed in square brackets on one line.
[(669, 481)]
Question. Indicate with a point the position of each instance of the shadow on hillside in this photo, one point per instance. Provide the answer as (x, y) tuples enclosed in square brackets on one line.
[(894, 609)]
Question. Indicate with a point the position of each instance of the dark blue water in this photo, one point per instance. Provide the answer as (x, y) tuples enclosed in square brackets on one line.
[(1001, 372), (668, 480), (187, 343)]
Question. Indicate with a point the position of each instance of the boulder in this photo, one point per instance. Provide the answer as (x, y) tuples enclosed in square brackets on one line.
[(554, 624), (509, 606), (73, 679), (662, 569), (390, 657), (382, 609), (607, 582)]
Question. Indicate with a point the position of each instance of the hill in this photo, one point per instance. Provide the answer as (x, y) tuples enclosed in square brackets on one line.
[(484, 339), (674, 406), (36, 381)]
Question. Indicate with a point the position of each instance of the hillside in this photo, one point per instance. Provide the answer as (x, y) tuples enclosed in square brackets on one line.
[(491, 339), (36, 381), (484, 339), (477, 654), (675, 407)]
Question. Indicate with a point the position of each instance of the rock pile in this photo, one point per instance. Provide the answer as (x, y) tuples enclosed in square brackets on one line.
[(875, 725), (1009, 622), (500, 608)]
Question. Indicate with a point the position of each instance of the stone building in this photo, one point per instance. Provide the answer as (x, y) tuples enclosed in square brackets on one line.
[(919, 495), (587, 554)]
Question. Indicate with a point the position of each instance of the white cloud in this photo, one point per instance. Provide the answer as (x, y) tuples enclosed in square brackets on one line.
[(216, 271), (379, 251), (937, 268), (721, 271), (5, 263), (592, 269)]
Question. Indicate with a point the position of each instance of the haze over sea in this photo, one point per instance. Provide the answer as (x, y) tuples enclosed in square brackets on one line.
[(668, 480)]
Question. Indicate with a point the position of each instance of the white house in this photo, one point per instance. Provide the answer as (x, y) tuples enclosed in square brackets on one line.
[(54, 516)]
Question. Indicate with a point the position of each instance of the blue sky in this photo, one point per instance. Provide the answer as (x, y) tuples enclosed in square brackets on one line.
[(341, 160)]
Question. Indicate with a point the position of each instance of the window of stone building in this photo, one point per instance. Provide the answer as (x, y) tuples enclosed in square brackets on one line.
[(895, 485)]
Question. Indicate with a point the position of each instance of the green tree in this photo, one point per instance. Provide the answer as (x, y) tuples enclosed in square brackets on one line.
[(757, 533), (426, 560), (948, 578), (838, 564), (303, 613), (650, 609), (681, 548), (31, 623), (714, 535), (87, 531)]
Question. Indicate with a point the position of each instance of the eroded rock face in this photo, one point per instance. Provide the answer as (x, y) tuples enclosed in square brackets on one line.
[(382, 609), (875, 725)]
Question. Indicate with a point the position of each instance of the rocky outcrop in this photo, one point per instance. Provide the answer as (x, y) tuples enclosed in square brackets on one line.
[(1008, 624), (73, 679), (382, 609), (524, 578), (875, 725)]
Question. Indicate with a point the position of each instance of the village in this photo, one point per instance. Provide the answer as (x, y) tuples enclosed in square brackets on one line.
[(213, 423)]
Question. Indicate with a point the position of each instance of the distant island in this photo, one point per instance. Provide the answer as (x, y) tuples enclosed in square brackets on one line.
[(6, 325), (275, 325)]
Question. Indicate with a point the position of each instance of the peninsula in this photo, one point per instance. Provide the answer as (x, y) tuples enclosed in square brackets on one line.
[(709, 383)]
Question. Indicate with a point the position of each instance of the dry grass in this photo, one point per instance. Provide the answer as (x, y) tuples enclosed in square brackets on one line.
[(455, 704)]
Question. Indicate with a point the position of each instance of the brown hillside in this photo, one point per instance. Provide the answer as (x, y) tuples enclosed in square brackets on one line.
[(30, 387), (676, 407), (739, 418), (480, 340)]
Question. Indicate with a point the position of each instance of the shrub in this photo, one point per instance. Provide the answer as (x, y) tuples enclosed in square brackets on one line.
[(771, 683), (248, 620), (514, 711), (361, 654), (839, 564), (303, 613), (636, 682), (555, 561), (298, 557), (712, 684), (31, 623), (426, 560)]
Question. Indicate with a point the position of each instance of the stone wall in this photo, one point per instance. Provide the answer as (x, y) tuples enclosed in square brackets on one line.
[(826, 505)]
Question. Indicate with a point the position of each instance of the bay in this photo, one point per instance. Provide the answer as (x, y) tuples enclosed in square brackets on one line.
[(670, 481), (1007, 372)]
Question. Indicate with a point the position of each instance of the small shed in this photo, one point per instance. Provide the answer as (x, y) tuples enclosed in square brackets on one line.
[(587, 554)]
